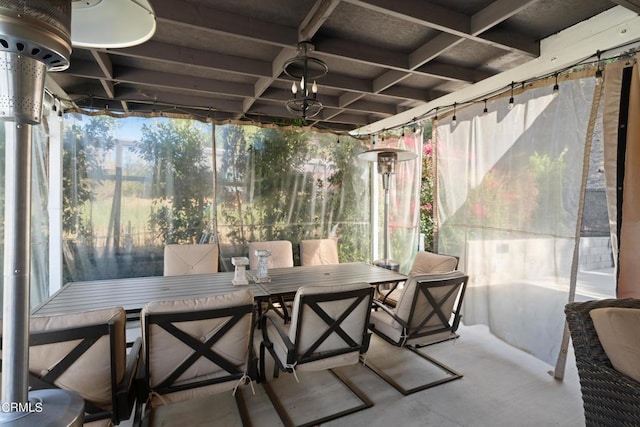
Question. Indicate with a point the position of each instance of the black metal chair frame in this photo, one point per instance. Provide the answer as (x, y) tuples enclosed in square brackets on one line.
[(123, 394), (200, 349), (293, 356), (458, 284), (280, 306), (396, 284)]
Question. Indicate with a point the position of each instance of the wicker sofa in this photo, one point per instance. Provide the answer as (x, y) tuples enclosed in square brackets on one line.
[(609, 397)]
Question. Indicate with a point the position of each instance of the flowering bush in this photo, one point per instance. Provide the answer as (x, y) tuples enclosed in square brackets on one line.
[(426, 194)]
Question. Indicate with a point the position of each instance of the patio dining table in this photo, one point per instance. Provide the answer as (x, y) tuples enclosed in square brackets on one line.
[(133, 293)]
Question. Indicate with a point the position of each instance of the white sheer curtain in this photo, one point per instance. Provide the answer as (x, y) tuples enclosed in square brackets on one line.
[(508, 196)]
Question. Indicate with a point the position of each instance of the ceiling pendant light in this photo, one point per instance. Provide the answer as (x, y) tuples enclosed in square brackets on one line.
[(111, 23), (454, 119), (304, 69)]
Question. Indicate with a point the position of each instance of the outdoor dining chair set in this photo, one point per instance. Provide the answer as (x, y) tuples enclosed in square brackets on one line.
[(182, 259), (194, 348)]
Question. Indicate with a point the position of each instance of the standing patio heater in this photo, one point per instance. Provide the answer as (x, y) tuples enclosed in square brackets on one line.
[(387, 159), (34, 39)]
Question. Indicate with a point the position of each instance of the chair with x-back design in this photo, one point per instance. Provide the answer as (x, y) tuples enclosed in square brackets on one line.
[(86, 352), (424, 263), (328, 329), (428, 312), (196, 347)]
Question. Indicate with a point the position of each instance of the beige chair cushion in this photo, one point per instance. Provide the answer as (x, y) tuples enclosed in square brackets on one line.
[(91, 374), (181, 260), (388, 326), (281, 253), (393, 297), (429, 263), (167, 352), (619, 333), (319, 251), (313, 327), (424, 263), (99, 423)]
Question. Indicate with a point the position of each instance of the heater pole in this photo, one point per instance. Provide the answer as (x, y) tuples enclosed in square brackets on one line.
[(17, 256), (386, 181)]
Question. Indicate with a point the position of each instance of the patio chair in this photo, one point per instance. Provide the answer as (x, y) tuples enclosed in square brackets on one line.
[(319, 251), (424, 263), (608, 367), (187, 259), (281, 253), (328, 330), (195, 348), (428, 312), (281, 256), (86, 352)]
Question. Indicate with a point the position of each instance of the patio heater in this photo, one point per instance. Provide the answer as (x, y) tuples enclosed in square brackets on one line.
[(34, 39), (387, 159)]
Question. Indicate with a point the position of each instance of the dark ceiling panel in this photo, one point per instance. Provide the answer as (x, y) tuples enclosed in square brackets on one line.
[(384, 56)]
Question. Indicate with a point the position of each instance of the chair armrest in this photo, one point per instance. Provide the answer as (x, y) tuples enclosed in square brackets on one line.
[(127, 391), (283, 336), (133, 359), (381, 305), (387, 310), (252, 357), (389, 291), (141, 389)]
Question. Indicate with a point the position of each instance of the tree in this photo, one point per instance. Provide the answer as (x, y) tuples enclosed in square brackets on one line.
[(291, 184), (84, 150), (231, 181), (182, 179)]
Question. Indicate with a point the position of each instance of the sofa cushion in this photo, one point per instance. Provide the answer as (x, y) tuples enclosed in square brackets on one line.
[(618, 330)]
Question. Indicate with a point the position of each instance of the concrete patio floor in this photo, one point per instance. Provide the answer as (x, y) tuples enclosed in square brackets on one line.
[(502, 385)]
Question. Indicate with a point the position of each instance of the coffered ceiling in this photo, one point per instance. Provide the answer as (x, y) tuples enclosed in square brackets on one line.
[(224, 58)]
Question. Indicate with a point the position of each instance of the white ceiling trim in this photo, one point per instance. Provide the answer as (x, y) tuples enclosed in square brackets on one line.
[(615, 27)]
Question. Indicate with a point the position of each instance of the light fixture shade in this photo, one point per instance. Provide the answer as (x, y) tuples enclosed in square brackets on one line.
[(111, 23)]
